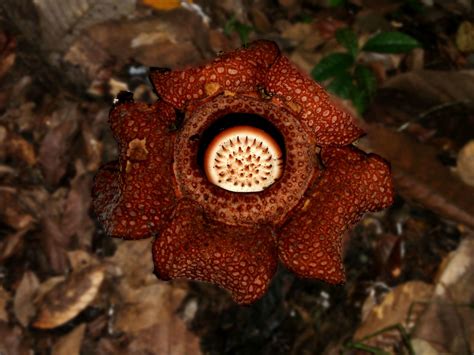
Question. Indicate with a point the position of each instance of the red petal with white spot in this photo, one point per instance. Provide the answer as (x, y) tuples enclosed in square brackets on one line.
[(242, 70), (325, 120), (352, 184), (241, 260), (133, 198)]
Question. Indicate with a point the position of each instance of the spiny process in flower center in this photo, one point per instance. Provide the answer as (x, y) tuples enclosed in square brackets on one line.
[(243, 159)]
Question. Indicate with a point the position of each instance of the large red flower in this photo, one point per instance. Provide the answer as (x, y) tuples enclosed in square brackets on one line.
[(260, 169)]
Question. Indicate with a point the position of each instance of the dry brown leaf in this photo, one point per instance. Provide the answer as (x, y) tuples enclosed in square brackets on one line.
[(430, 88), (398, 307), (70, 344), (448, 323), (458, 264), (159, 41), (147, 311), (7, 52), (20, 207), (132, 262), (12, 340), (80, 259), (420, 176), (4, 299), (92, 60), (12, 211), (11, 244), (23, 302), (61, 22), (54, 243), (423, 347), (149, 316), (22, 149), (54, 149), (58, 49), (418, 173), (68, 298), (465, 163), (170, 337), (288, 3), (459, 7), (75, 219), (260, 20), (146, 306), (416, 59), (298, 33)]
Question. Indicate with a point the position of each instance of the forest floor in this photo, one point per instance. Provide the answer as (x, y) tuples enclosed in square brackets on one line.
[(410, 268)]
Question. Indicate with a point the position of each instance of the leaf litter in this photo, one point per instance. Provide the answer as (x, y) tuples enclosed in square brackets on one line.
[(68, 289)]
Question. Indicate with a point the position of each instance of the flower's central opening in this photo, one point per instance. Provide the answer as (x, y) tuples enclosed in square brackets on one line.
[(242, 153)]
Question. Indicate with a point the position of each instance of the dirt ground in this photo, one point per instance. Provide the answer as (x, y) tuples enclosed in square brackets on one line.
[(66, 288)]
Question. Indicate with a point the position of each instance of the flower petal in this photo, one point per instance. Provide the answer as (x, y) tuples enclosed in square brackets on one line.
[(133, 197), (353, 183), (241, 70), (328, 123), (241, 260)]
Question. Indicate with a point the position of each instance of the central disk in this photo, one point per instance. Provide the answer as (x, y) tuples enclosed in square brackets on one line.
[(243, 159)]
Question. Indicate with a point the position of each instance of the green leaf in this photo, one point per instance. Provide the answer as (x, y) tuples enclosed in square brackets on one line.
[(366, 85), (243, 30), (332, 65), (229, 26), (365, 80), (342, 86), (415, 5), (361, 100), (305, 18), (348, 39), (391, 42), (334, 3)]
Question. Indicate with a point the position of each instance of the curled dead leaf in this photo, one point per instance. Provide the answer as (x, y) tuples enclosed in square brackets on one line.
[(67, 299)]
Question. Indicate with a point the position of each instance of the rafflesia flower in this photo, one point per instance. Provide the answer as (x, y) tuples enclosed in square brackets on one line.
[(241, 162)]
